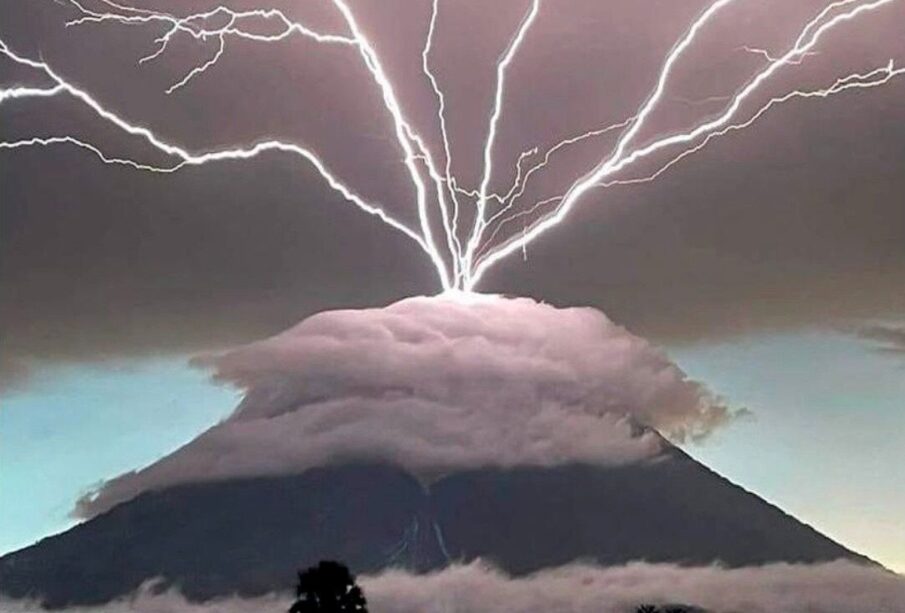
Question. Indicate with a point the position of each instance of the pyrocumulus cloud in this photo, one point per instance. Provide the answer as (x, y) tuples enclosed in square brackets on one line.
[(436, 385)]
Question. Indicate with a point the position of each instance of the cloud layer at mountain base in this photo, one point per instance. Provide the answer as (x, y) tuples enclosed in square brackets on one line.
[(436, 385), (834, 587)]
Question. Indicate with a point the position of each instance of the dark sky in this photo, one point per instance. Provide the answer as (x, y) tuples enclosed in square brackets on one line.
[(799, 221)]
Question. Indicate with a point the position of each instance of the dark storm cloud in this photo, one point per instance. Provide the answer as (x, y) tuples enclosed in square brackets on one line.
[(797, 221), (13, 374)]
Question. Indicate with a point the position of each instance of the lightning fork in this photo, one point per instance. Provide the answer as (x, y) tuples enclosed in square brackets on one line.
[(623, 157), (184, 156), (502, 65)]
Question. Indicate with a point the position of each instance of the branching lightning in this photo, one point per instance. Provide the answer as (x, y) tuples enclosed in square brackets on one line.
[(504, 62), (623, 157), (469, 249)]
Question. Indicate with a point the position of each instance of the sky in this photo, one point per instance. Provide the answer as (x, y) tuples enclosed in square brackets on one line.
[(825, 435), (771, 265), (76, 425)]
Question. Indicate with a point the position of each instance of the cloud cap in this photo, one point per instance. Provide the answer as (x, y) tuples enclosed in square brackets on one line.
[(437, 385)]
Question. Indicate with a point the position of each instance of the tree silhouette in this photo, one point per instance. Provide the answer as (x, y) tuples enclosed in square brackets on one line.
[(328, 587)]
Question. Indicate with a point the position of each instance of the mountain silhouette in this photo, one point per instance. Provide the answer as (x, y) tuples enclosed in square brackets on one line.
[(249, 536)]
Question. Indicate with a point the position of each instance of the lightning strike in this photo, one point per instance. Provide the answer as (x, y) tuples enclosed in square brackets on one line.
[(448, 180), (772, 58), (29, 92), (874, 78), (185, 157), (502, 65), (468, 253), (620, 159), (520, 185)]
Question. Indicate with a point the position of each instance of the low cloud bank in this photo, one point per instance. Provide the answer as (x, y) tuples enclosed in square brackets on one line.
[(834, 587), (436, 385)]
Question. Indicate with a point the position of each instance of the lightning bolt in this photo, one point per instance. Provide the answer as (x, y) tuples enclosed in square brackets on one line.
[(502, 65), (448, 179), (405, 135), (623, 156), (468, 253), (185, 158), (30, 92), (195, 25), (521, 182), (771, 58), (874, 78)]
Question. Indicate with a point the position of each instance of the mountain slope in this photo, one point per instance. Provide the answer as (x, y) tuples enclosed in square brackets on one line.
[(249, 536), (673, 510)]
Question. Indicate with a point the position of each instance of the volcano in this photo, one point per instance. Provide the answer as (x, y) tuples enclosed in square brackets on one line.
[(417, 436), (248, 536)]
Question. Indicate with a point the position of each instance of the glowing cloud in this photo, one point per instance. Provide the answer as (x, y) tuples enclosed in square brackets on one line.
[(437, 385)]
